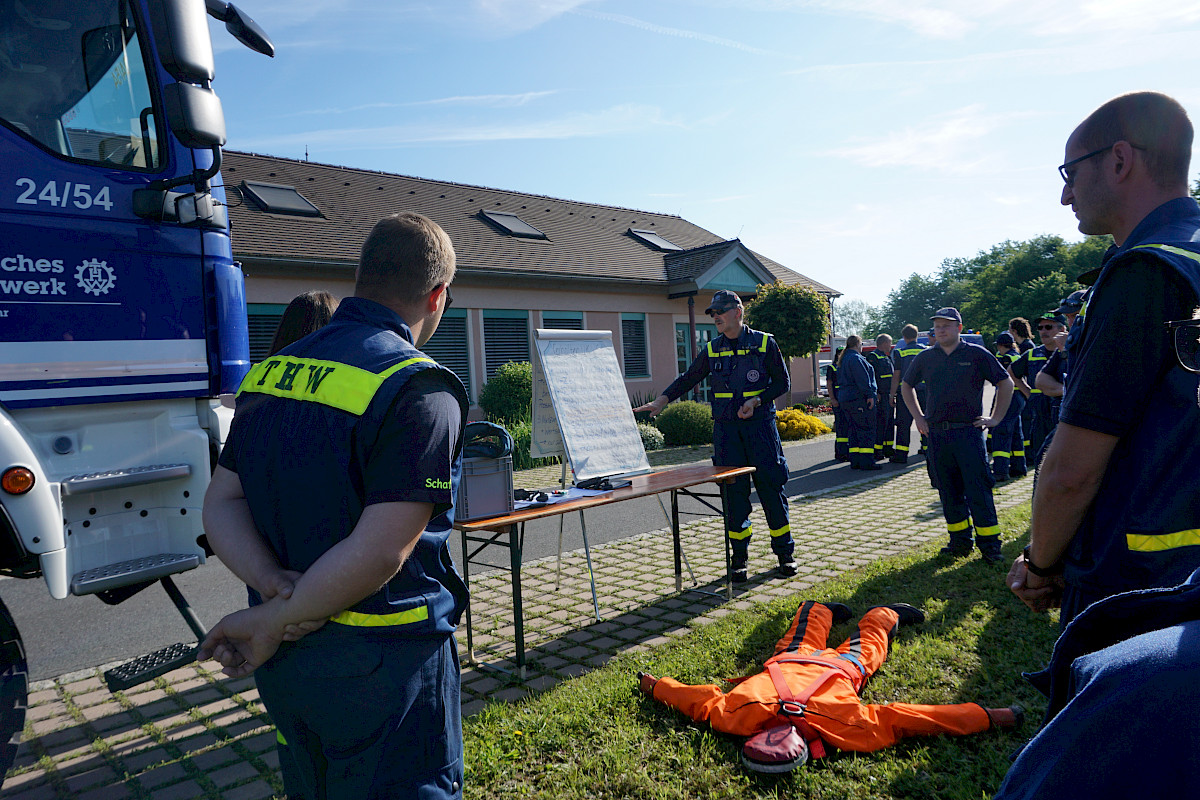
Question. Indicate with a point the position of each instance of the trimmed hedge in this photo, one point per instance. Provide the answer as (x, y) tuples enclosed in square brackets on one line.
[(685, 423), (508, 396), (652, 437)]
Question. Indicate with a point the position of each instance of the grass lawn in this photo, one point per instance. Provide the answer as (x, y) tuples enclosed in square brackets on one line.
[(595, 737)]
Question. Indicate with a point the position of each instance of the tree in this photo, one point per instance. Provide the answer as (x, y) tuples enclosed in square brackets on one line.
[(853, 316), (1011, 279), (797, 316)]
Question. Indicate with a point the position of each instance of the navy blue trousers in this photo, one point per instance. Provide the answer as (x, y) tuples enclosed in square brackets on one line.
[(958, 461), (1008, 446), (367, 717), (754, 443), (885, 426), (862, 422), (841, 434)]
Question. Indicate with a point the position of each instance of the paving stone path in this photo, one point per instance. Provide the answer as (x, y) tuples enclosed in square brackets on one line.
[(196, 734)]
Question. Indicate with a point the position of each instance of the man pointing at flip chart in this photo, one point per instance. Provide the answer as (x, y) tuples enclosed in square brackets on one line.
[(747, 372)]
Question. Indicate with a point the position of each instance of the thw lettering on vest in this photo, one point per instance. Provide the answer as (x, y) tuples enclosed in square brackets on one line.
[(316, 374)]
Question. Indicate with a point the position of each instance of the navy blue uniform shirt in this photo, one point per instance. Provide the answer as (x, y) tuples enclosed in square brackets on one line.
[(954, 381), (856, 379), (309, 467), (748, 366)]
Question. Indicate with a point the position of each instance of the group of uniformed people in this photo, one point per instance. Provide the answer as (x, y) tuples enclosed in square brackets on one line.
[(886, 431), (1039, 374)]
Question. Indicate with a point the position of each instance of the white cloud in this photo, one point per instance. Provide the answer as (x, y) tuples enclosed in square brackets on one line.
[(955, 19), (618, 120), (480, 100), (681, 33), (947, 143)]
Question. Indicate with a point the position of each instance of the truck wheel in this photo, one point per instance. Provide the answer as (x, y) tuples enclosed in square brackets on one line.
[(14, 689)]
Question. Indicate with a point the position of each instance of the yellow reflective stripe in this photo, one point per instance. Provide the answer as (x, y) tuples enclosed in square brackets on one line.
[(1035, 391), (419, 614), (1019, 453), (870, 450), (279, 738), (954, 527), (739, 535), (841, 439), (987, 530), (1001, 454), (722, 394), (888, 375), (1036, 358), (330, 383), (711, 353), (1158, 542), (781, 531), (762, 348), (752, 394), (903, 447), (1176, 250)]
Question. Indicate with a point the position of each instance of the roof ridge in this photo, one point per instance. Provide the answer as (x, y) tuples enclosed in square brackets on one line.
[(366, 171)]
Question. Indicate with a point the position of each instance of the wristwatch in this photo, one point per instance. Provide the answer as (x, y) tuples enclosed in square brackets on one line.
[(1041, 572)]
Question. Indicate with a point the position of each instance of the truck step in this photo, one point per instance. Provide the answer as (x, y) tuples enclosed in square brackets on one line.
[(150, 666), (123, 573), (119, 478)]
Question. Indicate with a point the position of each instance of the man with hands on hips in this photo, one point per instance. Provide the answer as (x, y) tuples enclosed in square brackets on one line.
[(954, 372)]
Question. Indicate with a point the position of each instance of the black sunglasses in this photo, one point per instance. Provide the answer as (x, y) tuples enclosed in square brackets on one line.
[(449, 298), (1187, 343)]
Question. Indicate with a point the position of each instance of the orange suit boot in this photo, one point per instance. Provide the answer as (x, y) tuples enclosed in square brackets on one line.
[(834, 709)]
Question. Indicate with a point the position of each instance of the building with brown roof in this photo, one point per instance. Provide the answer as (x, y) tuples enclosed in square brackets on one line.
[(524, 262)]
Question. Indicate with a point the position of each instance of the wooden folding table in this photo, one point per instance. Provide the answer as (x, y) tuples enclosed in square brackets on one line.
[(508, 530)]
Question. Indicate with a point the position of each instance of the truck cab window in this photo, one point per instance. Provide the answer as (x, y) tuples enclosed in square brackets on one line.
[(73, 79)]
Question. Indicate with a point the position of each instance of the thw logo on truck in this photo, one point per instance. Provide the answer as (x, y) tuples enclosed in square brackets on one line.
[(95, 277)]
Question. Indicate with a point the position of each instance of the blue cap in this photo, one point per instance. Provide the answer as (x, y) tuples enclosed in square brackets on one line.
[(1053, 316), (1006, 339), (1071, 304), (948, 313), (723, 301)]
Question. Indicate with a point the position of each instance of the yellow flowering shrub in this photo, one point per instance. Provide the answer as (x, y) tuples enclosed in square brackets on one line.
[(795, 424)]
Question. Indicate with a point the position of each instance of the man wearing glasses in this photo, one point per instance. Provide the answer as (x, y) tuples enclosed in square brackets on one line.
[(747, 373), (1118, 505)]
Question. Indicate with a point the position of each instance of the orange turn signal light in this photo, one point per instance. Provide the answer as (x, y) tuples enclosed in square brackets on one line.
[(17, 480)]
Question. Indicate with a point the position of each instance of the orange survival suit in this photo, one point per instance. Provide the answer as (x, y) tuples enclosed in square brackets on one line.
[(834, 710)]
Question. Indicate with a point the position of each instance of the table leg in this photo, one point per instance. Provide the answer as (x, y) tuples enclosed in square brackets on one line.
[(725, 536), (675, 538), (587, 551), (514, 552), (467, 582)]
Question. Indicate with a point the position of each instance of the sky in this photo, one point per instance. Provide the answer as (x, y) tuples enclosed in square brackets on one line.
[(853, 141)]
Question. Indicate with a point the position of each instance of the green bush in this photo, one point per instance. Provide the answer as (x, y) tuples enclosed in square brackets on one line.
[(686, 422), (522, 434), (652, 437), (508, 396)]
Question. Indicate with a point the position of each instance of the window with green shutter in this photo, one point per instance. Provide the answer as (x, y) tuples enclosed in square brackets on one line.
[(448, 346), (505, 338), (634, 346)]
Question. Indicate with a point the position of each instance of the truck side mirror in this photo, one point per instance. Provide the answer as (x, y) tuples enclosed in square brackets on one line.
[(241, 27), (181, 34), (195, 115)]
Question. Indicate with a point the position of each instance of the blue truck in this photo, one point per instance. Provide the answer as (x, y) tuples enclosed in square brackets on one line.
[(122, 312)]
